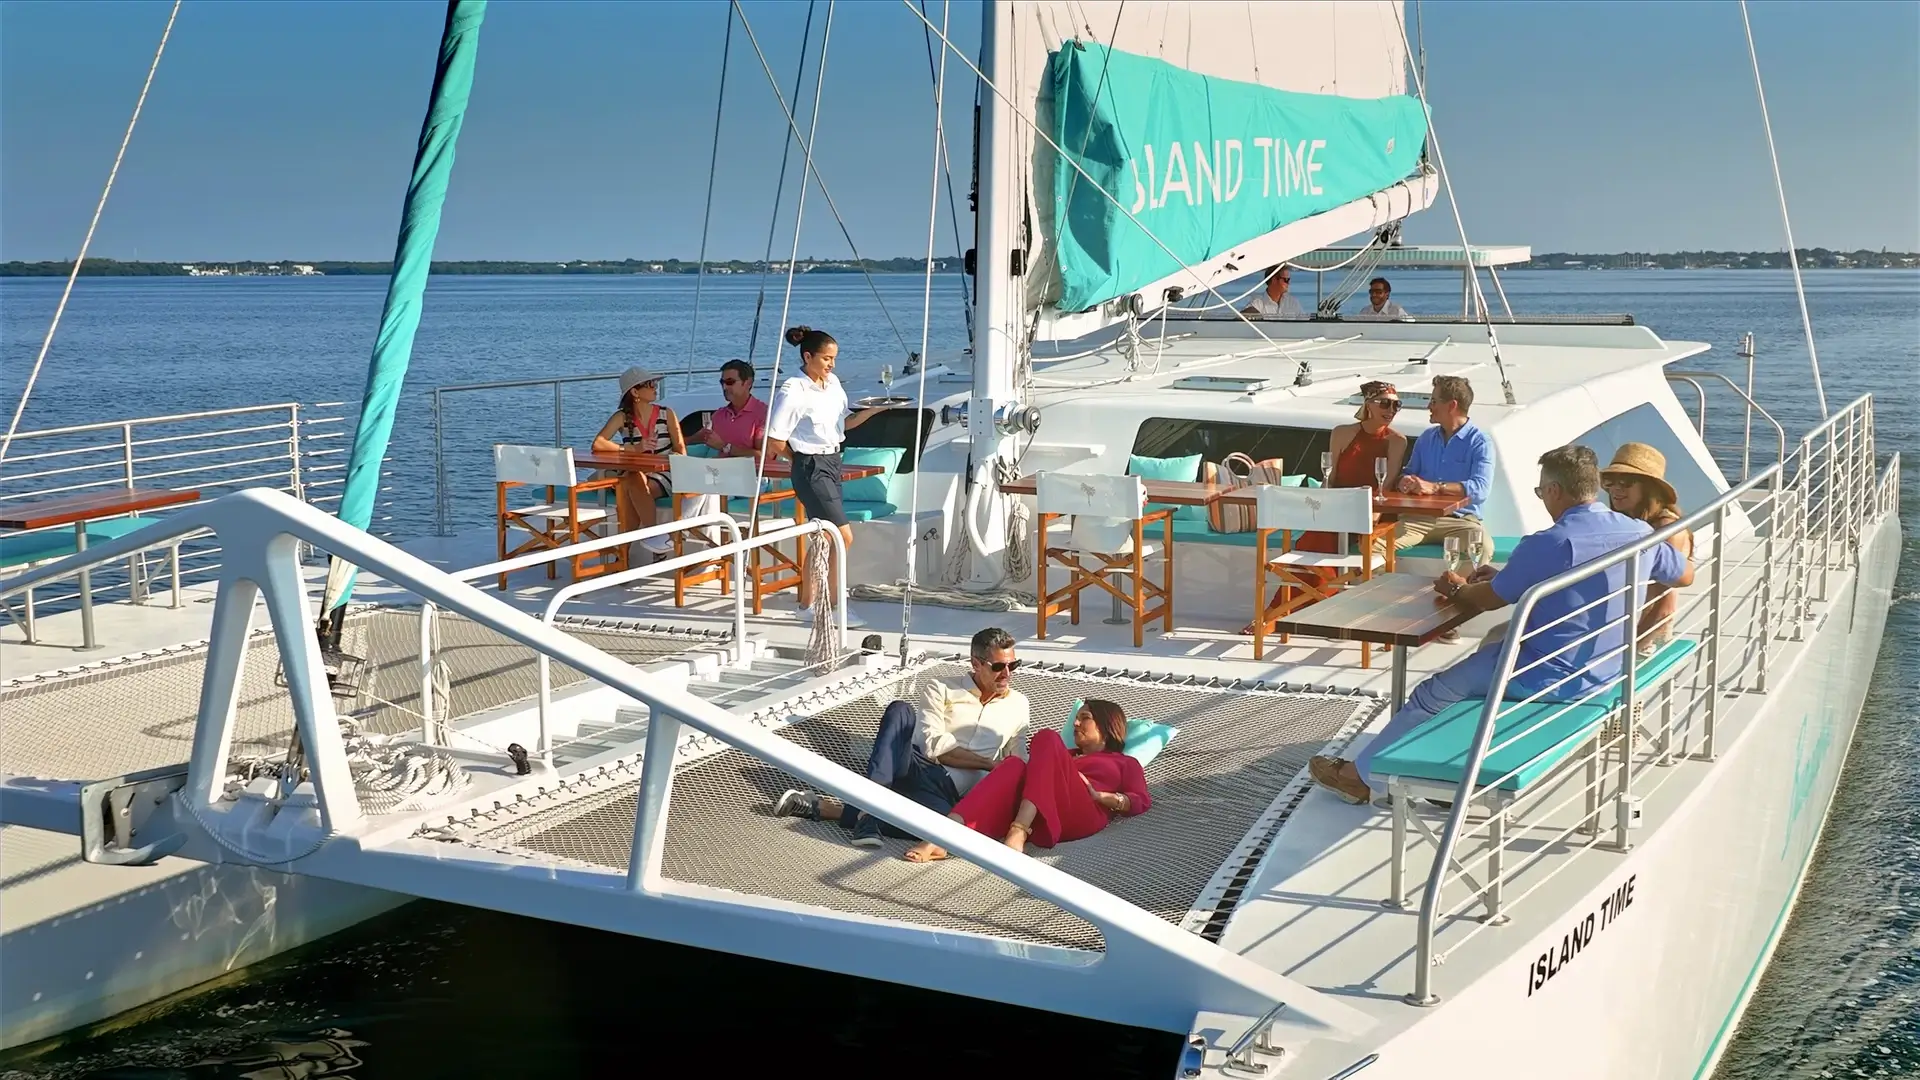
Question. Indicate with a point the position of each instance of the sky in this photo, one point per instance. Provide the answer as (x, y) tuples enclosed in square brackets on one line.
[(286, 130)]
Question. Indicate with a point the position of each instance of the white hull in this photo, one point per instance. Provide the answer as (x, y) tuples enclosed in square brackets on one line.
[(1658, 993), (85, 942)]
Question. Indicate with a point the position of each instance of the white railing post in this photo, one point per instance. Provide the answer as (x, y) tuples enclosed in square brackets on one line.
[(441, 504), (1746, 443), (428, 732), (1765, 614), (1630, 698), (559, 408), (1714, 599), (126, 452), (294, 476), (652, 801)]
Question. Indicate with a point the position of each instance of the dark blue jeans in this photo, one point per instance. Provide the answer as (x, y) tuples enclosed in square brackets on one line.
[(896, 763)]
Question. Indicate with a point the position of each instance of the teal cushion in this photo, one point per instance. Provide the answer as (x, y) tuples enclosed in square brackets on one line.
[(870, 488), (1298, 480), (867, 510), (1201, 532), (701, 450), (1502, 549), (1437, 750), (1169, 468), (58, 543), (1145, 738)]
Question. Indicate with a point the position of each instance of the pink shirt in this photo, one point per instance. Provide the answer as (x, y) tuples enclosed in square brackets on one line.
[(744, 428)]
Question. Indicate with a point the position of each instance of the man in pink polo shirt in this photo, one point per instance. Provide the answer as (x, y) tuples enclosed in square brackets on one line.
[(738, 428)]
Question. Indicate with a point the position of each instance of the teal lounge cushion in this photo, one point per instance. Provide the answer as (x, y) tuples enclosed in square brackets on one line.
[(870, 489), (867, 509), (1437, 750), (58, 543), (1145, 738), (1169, 468)]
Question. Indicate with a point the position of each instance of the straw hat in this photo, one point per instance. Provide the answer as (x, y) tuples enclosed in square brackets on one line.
[(635, 376), (1642, 462)]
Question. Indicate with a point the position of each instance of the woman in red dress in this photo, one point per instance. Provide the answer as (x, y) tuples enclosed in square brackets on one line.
[(1056, 794), (1355, 447)]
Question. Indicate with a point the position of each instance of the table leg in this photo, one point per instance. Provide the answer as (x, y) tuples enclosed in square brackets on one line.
[(1119, 616), (1400, 677), (86, 589)]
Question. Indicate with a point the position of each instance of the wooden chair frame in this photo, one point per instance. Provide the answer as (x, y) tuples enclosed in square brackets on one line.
[(1311, 590), (1143, 593), (556, 534)]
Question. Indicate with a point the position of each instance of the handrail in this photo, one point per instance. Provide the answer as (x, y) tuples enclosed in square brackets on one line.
[(263, 528), (735, 547), (1780, 433), (1846, 500), (1496, 693), (171, 417), (542, 558)]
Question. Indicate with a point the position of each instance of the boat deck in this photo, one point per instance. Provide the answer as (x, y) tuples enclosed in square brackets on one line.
[(1221, 790)]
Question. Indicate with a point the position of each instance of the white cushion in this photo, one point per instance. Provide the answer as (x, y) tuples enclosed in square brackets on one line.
[(558, 511), (1108, 536), (1316, 558)]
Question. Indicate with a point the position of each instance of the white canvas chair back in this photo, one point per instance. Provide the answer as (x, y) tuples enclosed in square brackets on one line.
[(731, 476), (1104, 508), (1304, 509), (542, 465)]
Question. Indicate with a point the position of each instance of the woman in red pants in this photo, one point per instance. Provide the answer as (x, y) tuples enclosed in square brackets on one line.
[(1056, 794)]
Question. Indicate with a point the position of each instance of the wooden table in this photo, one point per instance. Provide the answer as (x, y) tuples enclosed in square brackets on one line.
[(77, 510), (1402, 505), (1391, 609)]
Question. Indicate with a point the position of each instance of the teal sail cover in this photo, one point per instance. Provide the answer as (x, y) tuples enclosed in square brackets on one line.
[(1205, 163), (400, 318)]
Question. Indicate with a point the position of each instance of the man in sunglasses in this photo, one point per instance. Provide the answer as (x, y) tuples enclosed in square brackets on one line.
[(739, 427), (936, 753)]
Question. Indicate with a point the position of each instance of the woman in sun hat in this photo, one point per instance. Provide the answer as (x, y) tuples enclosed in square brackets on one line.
[(1636, 485), (642, 425)]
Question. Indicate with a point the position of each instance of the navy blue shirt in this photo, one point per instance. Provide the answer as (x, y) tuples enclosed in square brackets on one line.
[(1548, 659), (1465, 459)]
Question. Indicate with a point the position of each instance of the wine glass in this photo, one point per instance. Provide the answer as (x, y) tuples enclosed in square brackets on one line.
[(886, 376), (1326, 467), (1456, 551), (1379, 477)]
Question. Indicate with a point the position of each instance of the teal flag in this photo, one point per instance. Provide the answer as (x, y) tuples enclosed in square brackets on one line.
[(1205, 163), (400, 318)]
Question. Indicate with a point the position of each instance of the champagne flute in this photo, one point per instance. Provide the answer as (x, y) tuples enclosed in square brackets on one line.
[(1456, 554), (886, 377), (1379, 478), (1326, 467)]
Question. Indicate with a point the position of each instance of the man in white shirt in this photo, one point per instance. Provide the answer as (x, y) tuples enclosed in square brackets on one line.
[(1380, 305), (936, 753), (1276, 302)]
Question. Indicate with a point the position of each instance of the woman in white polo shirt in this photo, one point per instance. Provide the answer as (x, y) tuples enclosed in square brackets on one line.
[(809, 423)]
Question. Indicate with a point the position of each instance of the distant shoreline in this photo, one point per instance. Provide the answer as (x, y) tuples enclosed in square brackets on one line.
[(1810, 259)]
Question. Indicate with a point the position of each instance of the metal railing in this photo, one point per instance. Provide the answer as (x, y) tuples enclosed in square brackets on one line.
[(442, 487), (1161, 969), (300, 449), (1763, 554), (1745, 447)]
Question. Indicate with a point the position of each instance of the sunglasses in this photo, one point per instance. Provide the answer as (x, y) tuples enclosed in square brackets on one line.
[(1390, 404), (729, 382), (998, 666)]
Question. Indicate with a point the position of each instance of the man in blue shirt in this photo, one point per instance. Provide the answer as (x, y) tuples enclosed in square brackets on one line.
[(1575, 638), (1453, 457)]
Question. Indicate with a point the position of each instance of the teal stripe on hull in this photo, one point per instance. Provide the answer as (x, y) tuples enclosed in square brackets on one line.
[(419, 226)]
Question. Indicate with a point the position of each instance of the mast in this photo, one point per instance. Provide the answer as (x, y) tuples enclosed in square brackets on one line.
[(996, 310), (400, 317)]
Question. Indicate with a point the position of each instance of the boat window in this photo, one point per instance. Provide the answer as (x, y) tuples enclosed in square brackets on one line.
[(1644, 424), (1165, 436)]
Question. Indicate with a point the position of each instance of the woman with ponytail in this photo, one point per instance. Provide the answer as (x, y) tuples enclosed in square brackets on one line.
[(809, 423)]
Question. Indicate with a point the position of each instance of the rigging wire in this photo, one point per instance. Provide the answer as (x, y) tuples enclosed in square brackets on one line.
[(706, 221), (779, 187), (1779, 186), (1446, 179), (926, 329), (99, 208), (953, 206), (793, 125), (1108, 195)]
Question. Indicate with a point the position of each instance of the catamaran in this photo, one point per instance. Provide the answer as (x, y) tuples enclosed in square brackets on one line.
[(604, 749)]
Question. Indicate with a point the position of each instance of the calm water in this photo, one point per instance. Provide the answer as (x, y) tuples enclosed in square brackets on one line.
[(434, 990)]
